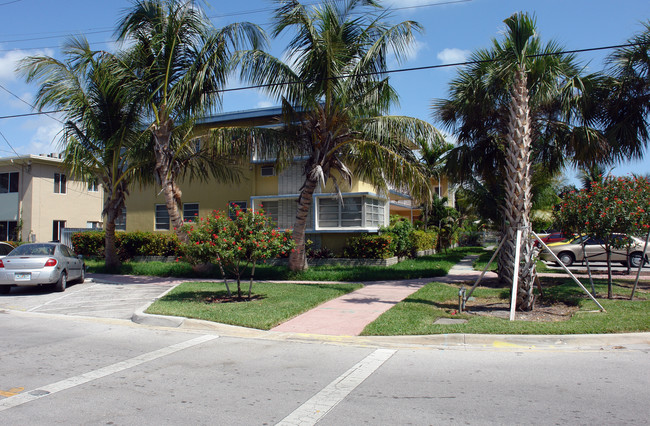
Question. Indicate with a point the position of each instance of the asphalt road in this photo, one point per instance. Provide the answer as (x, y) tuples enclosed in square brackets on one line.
[(62, 369)]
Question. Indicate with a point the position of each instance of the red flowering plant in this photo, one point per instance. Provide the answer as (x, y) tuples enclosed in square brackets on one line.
[(236, 243), (618, 205)]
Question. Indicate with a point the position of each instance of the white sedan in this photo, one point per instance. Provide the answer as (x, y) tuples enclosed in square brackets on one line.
[(41, 264)]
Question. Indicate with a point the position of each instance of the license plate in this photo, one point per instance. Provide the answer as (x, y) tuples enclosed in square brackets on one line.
[(23, 276)]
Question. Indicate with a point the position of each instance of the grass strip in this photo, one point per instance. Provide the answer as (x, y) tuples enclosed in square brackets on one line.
[(422, 267), (273, 303), (416, 314)]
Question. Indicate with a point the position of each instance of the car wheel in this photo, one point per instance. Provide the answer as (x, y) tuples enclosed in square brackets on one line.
[(62, 283), (566, 258), (82, 277), (5, 289), (635, 259)]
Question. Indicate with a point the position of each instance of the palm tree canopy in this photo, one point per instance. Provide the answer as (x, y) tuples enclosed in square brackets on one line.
[(335, 94), (181, 60), (102, 127), (626, 96), (562, 117)]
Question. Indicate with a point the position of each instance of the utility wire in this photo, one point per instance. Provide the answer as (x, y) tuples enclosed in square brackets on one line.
[(26, 103), (426, 67), (104, 30)]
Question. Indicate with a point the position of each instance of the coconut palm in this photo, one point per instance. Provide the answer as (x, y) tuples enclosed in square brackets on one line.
[(521, 103), (180, 63), (102, 131), (334, 97)]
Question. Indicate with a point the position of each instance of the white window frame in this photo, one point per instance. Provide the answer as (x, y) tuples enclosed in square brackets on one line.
[(158, 214), (243, 205), (365, 223), (60, 183), (11, 177), (188, 208)]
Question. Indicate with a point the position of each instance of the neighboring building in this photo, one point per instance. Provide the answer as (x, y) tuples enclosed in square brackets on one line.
[(330, 222), (38, 199)]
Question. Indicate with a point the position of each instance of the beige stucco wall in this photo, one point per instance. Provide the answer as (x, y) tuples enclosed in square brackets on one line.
[(42, 206)]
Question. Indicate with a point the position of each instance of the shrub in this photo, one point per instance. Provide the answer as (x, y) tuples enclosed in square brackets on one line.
[(133, 244), (369, 247), (400, 229), (128, 244), (89, 244), (423, 240), (235, 244)]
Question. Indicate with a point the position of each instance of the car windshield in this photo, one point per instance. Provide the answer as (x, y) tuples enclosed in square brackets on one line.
[(34, 250)]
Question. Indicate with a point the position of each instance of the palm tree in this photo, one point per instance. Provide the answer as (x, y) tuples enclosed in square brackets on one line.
[(519, 104), (626, 96), (334, 97), (180, 63), (102, 130), (433, 157)]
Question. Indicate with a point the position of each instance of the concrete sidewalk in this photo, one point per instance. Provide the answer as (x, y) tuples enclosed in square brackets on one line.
[(348, 315)]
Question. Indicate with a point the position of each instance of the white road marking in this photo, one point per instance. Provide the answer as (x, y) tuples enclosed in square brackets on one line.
[(57, 299), (320, 404), (25, 397)]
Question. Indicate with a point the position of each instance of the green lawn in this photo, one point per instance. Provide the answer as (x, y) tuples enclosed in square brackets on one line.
[(480, 263), (416, 314), (275, 302), (428, 266)]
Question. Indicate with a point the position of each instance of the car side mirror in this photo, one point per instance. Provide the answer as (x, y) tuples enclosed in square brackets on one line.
[(80, 256)]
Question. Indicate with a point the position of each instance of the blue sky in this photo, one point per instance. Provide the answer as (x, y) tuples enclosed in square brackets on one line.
[(452, 30)]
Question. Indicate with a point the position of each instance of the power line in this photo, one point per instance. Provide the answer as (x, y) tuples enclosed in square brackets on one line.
[(103, 30), (26, 103), (425, 67)]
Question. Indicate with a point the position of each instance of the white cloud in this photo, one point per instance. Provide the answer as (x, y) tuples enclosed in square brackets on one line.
[(406, 3), (453, 55), (45, 135), (414, 50), (264, 104), (9, 62)]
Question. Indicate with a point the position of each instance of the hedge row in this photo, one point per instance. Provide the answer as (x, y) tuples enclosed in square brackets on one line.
[(128, 244)]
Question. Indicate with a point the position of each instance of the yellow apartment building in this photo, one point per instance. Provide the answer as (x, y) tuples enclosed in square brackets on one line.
[(364, 209)]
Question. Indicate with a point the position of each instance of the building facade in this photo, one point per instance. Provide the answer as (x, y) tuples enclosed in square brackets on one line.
[(331, 222), (38, 199)]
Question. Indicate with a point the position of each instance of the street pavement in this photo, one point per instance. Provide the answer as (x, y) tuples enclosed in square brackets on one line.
[(341, 319), (78, 358)]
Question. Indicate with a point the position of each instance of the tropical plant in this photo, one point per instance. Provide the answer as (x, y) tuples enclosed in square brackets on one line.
[(625, 99), (334, 96), (433, 158), (102, 133), (613, 206), (235, 244), (179, 63), (520, 103)]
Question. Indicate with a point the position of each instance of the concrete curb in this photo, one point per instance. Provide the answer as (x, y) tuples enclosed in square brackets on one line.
[(506, 342)]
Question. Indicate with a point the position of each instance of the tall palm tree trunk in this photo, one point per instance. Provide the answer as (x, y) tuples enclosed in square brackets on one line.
[(110, 252), (298, 258), (171, 191), (518, 200)]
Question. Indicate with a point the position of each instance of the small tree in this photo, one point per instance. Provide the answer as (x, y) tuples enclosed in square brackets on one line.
[(615, 205), (235, 243)]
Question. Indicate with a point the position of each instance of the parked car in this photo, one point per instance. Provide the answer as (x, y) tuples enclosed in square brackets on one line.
[(41, 264), (571, 251), (5, 249), (553, 237)]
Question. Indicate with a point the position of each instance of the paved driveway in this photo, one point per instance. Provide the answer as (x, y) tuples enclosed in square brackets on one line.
[(97, 299)]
